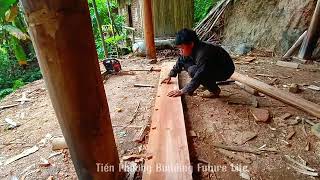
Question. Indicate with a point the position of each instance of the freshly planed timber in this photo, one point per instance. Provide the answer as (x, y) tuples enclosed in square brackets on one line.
[(276, 93), (167, 138)]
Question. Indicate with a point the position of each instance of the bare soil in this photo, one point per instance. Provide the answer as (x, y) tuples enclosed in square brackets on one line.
[(37, 119), (224, 119)]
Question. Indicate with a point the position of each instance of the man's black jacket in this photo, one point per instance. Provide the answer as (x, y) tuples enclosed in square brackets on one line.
[(206, 60)]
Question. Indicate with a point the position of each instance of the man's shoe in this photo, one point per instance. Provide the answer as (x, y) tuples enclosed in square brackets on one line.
[(209, 94), (202, 88)]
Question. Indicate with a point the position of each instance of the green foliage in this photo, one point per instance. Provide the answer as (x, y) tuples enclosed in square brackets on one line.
[(201, 8), (115, 40), (106, 25), (5, 92), (17, 84), (5, 5), (15, 45), (18, 50)]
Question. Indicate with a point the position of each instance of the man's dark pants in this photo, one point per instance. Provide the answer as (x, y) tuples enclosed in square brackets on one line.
[(210, 76)]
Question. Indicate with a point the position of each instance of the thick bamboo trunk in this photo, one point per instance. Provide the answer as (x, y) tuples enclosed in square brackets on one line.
[(62, 36), (104, 46), (295, 45), (148, 30), (313, 35)]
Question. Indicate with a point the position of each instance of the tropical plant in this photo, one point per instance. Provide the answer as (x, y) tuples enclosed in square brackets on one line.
[(201, 8), (18, 64), (111, 25)]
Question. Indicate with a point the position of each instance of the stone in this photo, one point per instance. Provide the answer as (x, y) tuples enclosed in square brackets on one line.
[(315, 129), (294, 88), (243, 49), (243, 137), (313, 87), (153, 61), (285, 116), (260, 115), (317, 148)]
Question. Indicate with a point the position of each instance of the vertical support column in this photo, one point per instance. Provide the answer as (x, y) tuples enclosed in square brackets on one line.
[(313, 35), (62, 36), (148, 30)]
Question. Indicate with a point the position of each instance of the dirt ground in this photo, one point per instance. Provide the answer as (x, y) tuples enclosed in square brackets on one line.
[(213, 120), (37, 119), (225, 119)]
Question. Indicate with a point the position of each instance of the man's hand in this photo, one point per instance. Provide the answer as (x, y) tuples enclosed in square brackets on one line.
[(175, 93), (166, 80)]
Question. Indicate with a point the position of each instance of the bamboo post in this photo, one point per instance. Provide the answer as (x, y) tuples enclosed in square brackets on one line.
[(62, 36), (148, 30), (310, 41), (114, 32), (104, 46), (295, 45)]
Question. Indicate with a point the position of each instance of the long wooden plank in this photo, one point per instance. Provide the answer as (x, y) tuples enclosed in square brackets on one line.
[(276, 93), (288, 64), (167, 139)]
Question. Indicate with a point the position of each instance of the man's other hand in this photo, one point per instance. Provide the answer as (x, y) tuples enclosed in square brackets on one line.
[(175, 93), (166, 80)]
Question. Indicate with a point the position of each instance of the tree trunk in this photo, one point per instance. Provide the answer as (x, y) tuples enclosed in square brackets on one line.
[(62, 35), (310, 41), (148, 30), (99, 28)]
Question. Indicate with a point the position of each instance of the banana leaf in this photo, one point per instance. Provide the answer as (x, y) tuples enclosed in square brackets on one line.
[(19, 51), (16, 32), (5, 5), (12, 13)]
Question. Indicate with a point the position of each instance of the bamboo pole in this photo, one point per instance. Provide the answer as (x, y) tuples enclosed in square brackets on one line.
[(295, 45), (148, 30), (310, 41), (62, 35), (99, 28), (114, 31)]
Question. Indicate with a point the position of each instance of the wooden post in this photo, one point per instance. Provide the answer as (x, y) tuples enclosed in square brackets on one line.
[(310, 41), (148, 30), (62, 36)]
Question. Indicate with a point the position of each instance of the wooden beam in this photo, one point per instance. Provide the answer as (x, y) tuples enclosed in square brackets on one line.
[(288, 64), (248, 89), (167, 139), (148, 30), (295, 45), (276, 93), (62, 36), (310, 41)]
